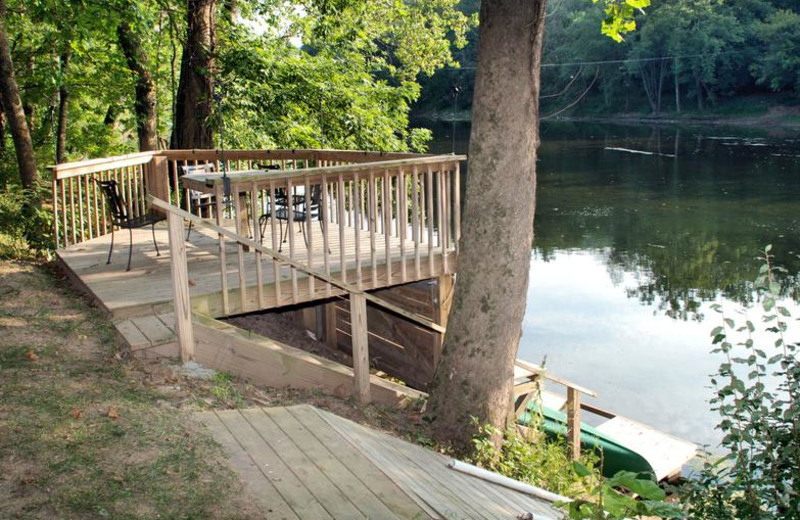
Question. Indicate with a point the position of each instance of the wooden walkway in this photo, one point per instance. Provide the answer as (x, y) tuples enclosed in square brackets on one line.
[(304, 463), (147, 288)]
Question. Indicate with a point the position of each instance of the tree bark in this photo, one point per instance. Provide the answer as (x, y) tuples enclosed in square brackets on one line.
[(193, 106), (63, 104), (146, 99), (475, 376), (13, 108)]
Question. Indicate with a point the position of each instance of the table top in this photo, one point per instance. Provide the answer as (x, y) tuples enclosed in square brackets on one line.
[(205, 181)]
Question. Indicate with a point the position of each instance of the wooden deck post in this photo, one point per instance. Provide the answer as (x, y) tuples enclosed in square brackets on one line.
[(358, 326), (330, 325), (574, 422), (442, 301), (180, 287), (157, 178)]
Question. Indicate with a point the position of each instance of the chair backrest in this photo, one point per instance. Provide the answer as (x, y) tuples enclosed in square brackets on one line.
[(114, 200), (198, 168)]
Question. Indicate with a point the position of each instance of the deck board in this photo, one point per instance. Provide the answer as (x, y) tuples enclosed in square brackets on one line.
[(146, 287)]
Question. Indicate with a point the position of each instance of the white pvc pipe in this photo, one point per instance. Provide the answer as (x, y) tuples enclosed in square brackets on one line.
[(510, 483)]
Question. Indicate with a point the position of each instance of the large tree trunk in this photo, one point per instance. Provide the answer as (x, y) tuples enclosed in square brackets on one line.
[(192, 124), (474, 378), (13, 109), (145, 104), (63, 104)]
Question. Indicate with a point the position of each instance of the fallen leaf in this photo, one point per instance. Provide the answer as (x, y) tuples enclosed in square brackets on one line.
[(76, 414), (112, 413), (32, 356)]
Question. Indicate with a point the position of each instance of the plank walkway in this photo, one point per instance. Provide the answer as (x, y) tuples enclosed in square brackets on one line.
[(146, 289), (304, 463)]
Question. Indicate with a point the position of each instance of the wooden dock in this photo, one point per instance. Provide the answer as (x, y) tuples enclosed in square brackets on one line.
[(304, 463), (147, 288)]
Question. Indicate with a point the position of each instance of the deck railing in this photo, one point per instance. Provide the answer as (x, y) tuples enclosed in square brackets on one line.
[(399, 218), (80, 213), (358, 298)]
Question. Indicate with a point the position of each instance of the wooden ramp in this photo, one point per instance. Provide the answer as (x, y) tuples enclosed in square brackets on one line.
[(304, 463)]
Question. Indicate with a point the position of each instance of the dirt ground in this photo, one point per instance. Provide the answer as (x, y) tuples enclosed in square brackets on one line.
[(87, 433)]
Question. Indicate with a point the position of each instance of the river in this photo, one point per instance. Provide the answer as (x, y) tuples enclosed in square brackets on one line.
[(639, 230)]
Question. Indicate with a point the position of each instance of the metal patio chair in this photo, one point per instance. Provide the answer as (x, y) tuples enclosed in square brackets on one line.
[(197, 199), (121, 218)]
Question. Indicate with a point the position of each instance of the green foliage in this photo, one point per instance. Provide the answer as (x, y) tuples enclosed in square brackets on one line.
[(779, 68), (612, 498), (757, 395), (24, 227), (534, 459)]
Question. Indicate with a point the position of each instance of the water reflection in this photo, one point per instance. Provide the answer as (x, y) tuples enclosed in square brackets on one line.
[(637, 231)]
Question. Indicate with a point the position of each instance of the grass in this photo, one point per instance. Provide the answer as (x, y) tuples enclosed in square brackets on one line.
[(87, 433), (81, 433)]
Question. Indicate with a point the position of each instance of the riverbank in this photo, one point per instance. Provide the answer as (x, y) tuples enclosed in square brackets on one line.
[(761, 111), (86, 432)]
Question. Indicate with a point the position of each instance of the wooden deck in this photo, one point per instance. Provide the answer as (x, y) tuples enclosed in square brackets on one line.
[(146, 289), (304, 463)]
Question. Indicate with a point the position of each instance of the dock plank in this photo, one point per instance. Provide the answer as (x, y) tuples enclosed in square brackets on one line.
[(294, 492), (335, 502), (258, 483), (359, 494), (381, 485)]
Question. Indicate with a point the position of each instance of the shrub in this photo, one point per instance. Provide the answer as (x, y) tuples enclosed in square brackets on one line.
[(757, 393)]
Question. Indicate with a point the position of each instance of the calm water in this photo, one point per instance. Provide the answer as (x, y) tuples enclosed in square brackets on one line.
[(631, 250)]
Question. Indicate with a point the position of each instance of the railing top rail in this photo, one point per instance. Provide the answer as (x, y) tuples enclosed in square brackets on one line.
[(267, 175), (72, 169), (88, 166), (536, 369), (154, 201)]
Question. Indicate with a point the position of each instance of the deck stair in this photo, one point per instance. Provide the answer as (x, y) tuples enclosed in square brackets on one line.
[(148, 335)]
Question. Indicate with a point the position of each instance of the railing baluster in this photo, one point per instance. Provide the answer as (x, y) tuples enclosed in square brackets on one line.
[(340, 208), (309, 234), (237, 207), (276, 268), (387, 224), (290, 231), (80, 210), (325, 227), (129, 190), (442, 234), (142, 195), (104, 219), (87, 196), (415, 219), (429, 195), (373, 212), (218, 196), (63, 189), (402, 220), (96, 205), (357, 226), (256, 253)]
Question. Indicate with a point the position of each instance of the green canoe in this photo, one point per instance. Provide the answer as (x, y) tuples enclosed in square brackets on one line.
[(615, 457)]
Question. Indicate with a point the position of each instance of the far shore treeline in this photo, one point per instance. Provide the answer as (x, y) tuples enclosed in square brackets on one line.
[(687, 58)]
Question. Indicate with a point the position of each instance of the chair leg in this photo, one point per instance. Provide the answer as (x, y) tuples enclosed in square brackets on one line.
[(153, 229), (130, 248), (110, 249), (302, 230), (322, 229), (189, 232)]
